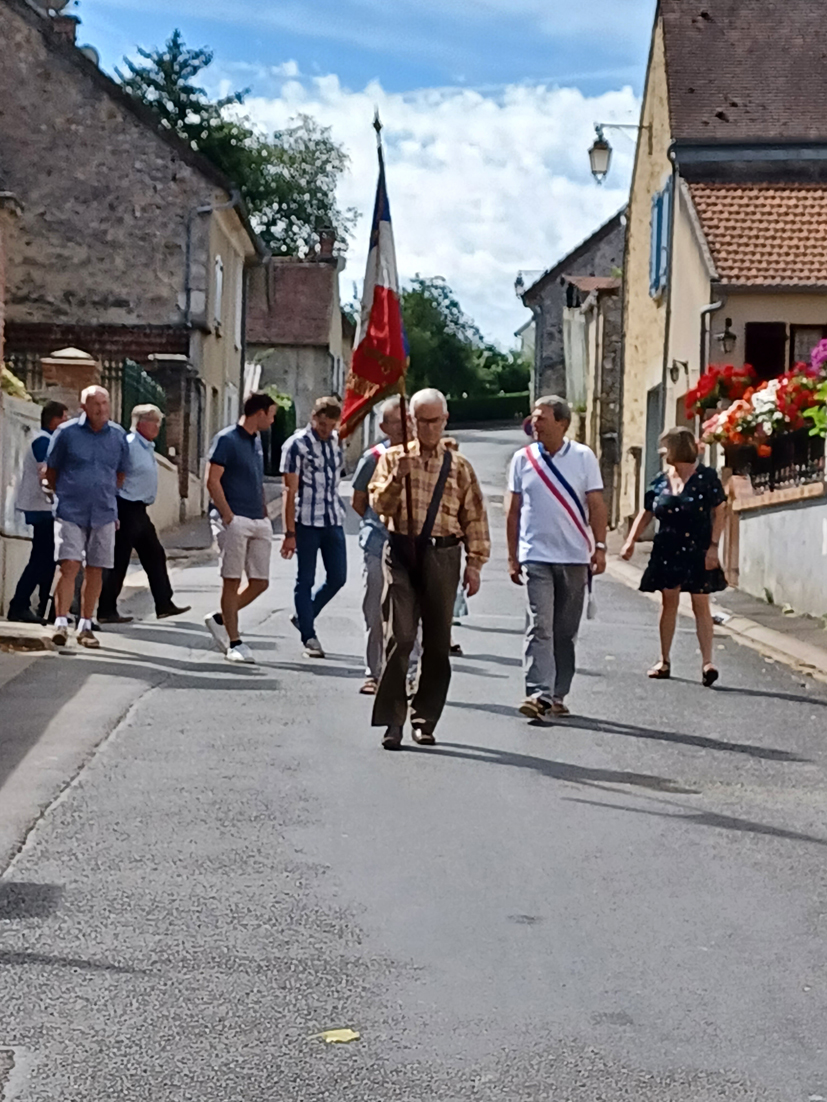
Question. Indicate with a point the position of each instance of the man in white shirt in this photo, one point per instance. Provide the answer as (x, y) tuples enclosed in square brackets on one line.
[(556, 529)]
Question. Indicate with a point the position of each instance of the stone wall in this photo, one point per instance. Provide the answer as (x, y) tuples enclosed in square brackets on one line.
[(602, 258), (102, 236), (303, 373), (783, 555)]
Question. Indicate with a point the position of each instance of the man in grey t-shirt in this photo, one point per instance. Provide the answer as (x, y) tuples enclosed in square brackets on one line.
[(372, 538)]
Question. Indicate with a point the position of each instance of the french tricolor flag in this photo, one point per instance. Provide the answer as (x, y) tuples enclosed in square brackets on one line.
[(380, 356)]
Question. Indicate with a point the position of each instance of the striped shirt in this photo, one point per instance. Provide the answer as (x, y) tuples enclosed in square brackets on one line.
[(318, 464), (461, 512)]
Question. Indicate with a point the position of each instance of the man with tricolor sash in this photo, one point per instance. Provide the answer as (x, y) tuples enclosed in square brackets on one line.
[(556, 521)]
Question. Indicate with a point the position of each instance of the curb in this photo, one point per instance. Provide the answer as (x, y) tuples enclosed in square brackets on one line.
[(802, 657)]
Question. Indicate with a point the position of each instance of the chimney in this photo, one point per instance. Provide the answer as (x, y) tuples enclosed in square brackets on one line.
[(327, 239), (65, 27)]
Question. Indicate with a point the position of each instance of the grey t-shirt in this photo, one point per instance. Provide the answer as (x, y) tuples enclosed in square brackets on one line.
[(372, 532)]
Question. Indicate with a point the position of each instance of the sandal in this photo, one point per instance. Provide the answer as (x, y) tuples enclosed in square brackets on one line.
[(709, 676), (661, 672)]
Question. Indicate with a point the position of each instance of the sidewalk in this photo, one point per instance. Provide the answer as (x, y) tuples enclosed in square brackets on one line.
[(797, 641), (186, 545)]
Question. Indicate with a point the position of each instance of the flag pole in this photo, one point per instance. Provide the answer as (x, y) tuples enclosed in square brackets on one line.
[(403, 401)]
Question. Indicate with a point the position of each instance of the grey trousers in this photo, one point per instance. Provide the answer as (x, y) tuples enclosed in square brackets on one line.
[(403, 608), (556, 593)]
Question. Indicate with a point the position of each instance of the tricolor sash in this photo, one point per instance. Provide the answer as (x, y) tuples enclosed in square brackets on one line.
[(561, 489)]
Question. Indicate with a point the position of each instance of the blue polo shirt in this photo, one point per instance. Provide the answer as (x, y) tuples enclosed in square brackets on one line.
[(242, 457), (88, 464)]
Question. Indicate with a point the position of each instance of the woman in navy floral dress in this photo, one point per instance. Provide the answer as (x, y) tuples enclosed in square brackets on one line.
[(689, 504)]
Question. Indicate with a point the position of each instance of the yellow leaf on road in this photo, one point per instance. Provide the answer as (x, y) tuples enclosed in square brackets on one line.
[(338, 1036)]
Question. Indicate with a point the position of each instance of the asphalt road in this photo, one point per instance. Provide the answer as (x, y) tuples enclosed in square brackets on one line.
[(627, 905)]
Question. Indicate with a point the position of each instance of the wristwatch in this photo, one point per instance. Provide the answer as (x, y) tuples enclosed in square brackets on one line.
[(289, 535), (600, 547)]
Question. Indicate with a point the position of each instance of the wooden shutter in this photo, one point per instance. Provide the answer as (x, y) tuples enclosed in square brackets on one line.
[(665, 237), (654, 244)]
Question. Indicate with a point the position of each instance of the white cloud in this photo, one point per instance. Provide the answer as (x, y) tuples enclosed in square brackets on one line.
[(480, 186)]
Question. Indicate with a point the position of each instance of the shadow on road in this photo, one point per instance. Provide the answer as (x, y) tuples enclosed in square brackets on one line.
[(77, 964), (710, 819), (558, 770), (793, 698), (628, 730)]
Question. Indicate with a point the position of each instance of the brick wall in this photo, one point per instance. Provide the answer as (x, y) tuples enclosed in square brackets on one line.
[(104, 342), (102, 236)]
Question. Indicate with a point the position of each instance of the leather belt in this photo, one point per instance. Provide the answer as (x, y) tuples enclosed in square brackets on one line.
[(444, 541)]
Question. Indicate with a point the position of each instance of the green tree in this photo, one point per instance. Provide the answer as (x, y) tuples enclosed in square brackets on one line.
[(288, 181), (444, 343), (448, 350)]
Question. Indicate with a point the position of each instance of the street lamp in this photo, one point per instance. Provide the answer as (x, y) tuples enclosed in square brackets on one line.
[(600, 154), (728, 338)]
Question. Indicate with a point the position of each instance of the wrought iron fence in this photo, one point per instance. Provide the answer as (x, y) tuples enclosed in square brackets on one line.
[(796, 459), (128, 385)]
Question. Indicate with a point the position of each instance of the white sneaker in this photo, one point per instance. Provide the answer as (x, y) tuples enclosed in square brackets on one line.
[(241, 653), (313, 648), (217, 630)]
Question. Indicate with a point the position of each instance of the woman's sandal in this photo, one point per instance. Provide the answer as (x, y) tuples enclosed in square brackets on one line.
[(661, 672), (709, 676)]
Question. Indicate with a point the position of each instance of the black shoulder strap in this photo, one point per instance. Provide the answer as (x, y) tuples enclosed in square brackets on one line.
[(436, 500)]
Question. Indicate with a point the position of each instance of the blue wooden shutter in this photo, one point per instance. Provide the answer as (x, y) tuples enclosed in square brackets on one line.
[(654, 244), (665, 236)]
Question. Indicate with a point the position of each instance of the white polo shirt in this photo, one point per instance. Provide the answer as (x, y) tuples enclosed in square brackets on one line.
[(554, 524)]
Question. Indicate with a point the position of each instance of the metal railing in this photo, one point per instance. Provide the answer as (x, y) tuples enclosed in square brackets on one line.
[(797, 459), (128, 385)]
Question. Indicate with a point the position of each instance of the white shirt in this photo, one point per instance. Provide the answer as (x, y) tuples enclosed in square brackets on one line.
[(554, 524)]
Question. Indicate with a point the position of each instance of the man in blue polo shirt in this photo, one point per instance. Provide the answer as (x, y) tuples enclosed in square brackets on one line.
[(85, 464), (238, 516)]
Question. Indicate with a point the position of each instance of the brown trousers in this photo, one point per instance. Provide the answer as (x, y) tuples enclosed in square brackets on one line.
[(403, 606)]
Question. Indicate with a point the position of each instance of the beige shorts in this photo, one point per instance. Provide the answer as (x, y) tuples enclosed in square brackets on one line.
[(244, 547)]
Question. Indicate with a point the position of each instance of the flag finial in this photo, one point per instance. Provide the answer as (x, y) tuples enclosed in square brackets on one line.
[(377, 122)]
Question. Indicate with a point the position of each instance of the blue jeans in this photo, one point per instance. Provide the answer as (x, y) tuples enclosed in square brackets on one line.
[(39, 572), (309, 542)]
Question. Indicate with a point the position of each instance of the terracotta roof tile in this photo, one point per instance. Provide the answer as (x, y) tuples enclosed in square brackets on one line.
[(587, 284), (765, 235), (291, 302), (746, 70)]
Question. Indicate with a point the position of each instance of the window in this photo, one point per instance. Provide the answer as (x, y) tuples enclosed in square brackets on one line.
[(803, 339), (765, 347), (218, 294), (660, 241)]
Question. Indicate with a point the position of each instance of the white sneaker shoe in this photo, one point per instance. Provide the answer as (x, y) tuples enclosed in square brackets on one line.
[(217, 630), (240, 654), (313, 648)]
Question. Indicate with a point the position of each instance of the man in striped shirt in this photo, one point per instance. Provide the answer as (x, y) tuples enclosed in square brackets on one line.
[(313, 513), (556, 533)]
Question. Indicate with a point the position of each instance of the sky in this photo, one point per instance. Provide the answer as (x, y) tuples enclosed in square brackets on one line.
[(488, 107)]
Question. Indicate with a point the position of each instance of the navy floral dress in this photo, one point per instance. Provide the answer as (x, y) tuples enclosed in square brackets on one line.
[(684, 534)]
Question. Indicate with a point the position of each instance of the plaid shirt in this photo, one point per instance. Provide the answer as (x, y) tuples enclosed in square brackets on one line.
[(318, 464), (461, 511)]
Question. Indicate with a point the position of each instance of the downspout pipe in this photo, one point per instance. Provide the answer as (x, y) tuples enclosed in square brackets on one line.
[(706, 314)]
